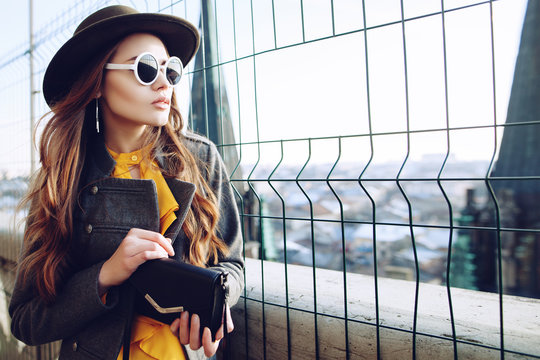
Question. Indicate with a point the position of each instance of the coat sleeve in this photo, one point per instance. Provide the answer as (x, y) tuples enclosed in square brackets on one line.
[(229, 228), (76, 304)]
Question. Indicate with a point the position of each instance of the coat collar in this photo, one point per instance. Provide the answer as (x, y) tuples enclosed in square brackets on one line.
[(100, 162)]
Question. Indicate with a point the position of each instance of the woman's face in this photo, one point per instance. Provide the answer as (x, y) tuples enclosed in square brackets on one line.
[(126, 103)]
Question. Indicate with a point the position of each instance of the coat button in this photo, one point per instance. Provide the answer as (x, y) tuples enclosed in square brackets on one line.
[(94, 190), (74, 346), (88, 228)]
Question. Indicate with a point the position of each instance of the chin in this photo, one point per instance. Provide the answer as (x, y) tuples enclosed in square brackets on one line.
[(159, 122), (163, 122)]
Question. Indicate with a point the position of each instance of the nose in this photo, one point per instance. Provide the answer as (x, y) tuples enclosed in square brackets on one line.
[(161, 81)]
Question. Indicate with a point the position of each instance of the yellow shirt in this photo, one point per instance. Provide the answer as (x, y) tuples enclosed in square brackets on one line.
[(151, 339)]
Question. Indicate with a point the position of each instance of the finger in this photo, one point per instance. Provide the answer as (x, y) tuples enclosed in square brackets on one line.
[(219, 333), (144, 245), (125, 261), (142, 233), (184, 328), (175, 326), (133, 245), (230, 323), (164, 243), (134, 261), (155, 237), (150, 255), (194, 337), (210, 347), (161, 240)]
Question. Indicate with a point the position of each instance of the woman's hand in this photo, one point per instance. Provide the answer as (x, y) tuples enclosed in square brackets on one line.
[(180, 327), (137, 247)]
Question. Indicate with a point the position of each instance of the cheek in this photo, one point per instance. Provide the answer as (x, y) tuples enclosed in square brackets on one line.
[(122, 95)]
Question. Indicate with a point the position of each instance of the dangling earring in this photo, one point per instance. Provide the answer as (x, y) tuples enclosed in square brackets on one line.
[(97, 115)]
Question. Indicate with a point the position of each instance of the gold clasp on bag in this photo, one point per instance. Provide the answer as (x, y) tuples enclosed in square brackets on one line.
[(161, 309)]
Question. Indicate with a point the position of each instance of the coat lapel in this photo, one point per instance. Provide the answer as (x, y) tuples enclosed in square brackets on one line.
[(183, 193)]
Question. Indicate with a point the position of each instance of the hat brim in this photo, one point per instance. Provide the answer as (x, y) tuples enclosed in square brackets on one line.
[(180, 37)]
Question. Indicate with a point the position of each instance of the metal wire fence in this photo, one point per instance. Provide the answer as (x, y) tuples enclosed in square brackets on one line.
[(361, 136)]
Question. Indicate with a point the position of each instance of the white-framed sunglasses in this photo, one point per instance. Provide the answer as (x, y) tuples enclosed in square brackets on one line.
[(146, 69)]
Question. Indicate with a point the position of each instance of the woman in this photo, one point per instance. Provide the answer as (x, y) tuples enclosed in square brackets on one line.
[(114, 169)]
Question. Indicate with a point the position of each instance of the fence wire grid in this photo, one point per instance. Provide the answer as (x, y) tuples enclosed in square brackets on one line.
[(389, 138)]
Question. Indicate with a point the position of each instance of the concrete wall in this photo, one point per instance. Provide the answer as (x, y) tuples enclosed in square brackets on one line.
[(476, 318)]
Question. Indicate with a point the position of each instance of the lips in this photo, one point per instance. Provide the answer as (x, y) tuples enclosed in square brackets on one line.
[(162, 103), (162, 100)]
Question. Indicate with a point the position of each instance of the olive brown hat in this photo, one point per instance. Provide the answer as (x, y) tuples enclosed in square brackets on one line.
[(102, 30)]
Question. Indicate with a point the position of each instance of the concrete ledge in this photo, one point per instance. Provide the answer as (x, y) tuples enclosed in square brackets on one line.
[(10, 246), (476, 317)]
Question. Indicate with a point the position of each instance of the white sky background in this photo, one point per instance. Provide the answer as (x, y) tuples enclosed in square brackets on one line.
[(319, 89)]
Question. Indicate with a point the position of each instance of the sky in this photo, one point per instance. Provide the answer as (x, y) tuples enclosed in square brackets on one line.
[(319, 89), (323, 92)]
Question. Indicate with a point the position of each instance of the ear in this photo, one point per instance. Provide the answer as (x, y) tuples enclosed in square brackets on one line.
[(98, 95)]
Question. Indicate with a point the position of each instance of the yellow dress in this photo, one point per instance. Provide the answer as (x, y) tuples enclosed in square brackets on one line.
[(150, 339)]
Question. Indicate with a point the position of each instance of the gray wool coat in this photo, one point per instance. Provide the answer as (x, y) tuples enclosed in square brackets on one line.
[(107, 209)]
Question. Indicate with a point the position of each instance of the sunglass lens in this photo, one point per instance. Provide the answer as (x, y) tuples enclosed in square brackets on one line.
[(147, 69), (174, 71)]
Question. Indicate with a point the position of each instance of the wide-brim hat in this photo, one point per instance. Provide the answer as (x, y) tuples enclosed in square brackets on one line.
[(102, 30)]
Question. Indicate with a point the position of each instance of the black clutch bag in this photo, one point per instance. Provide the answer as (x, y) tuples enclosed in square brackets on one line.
[(166, 287)]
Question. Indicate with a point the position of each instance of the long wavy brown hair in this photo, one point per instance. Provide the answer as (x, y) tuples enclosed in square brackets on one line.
[(53, 192)]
